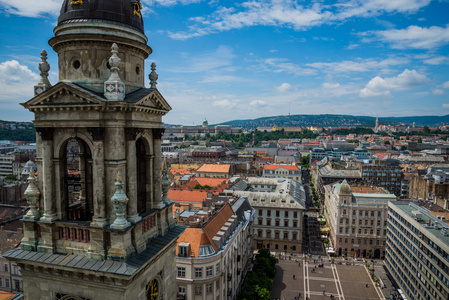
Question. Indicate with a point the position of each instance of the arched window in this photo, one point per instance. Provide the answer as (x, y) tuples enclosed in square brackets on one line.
[(78, 187), (142, 152)]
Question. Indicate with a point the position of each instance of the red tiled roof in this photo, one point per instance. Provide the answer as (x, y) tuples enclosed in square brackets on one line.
[(6, 296), (9, 240), (217, 222), (209, 168), (186, 195)]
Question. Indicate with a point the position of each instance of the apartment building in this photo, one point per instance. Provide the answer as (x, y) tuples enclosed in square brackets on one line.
[(279, 205), (292, 172), (357, 219), (215, 252), (6, 164), (418, 251)]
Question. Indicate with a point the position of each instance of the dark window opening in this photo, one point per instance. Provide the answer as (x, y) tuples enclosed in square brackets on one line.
[(78, 181), (141, 175)]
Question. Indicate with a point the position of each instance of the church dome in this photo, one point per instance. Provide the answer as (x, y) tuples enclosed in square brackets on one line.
[(122, 12), (26, 169), (344, 189)]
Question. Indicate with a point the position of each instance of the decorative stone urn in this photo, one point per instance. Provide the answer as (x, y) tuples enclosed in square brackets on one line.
[(119, 202), (32, 195)]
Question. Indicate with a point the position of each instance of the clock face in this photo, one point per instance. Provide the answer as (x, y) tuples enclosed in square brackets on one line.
[(153, 290)]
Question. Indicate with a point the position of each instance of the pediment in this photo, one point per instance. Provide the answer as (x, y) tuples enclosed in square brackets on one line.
[(154, 99), (64, 94)]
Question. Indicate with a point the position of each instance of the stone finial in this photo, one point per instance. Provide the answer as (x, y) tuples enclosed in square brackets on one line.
[(44, 67), (153, 76), (119, 202), (165, 184), (32, 195), (114, 88)]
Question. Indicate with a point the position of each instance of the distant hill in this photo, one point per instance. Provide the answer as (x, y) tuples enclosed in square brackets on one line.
[(335, 121)]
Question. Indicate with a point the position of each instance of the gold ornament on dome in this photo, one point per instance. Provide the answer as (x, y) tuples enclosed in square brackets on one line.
[(76, 2), (137, 7)]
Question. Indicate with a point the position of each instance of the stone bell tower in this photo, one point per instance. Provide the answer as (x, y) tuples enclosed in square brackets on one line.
[(101, 224)]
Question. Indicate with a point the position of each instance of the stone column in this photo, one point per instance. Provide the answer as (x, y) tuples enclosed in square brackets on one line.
[(98, 171), (157, 170), (47, 173), (131, 159)]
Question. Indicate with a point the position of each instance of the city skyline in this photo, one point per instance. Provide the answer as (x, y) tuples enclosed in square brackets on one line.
[(225, 60)]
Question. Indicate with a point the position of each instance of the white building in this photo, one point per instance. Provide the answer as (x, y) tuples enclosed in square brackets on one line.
[(279, 205), (214, 254), (357, 221)]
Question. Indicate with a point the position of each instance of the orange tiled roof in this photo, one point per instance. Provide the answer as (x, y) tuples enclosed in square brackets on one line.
[(180, 171), (275, 167), (187, 196), (6, 296), (210, 168), (217, 222), (195, 237)]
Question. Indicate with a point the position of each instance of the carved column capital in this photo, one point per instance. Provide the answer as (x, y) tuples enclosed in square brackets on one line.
[(158, 132), (97, 133), (131, 133), (46, 133)]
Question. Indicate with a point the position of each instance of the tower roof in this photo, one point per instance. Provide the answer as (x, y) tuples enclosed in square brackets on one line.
[(122, 12)]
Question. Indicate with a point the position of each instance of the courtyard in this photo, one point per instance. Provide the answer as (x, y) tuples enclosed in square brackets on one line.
[(298, 278)]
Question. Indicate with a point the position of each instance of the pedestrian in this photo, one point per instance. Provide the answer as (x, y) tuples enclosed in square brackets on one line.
[(293, 276), (366, 285), (324, 292), (299, 295)]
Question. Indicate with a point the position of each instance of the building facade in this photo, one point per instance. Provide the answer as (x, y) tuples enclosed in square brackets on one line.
[(357, 221), (292, 172), (418, 251), (279, 205), (214, 254), (117, 239)]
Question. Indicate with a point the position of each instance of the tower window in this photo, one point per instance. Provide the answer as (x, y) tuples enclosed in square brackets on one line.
[(137, 70), (76, 64)]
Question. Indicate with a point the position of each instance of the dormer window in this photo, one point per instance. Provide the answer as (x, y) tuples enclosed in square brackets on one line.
[(183, 249)]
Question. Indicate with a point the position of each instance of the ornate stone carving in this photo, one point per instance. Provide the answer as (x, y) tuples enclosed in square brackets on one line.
[(32, 195), (46, 133), (119, 202), (153, 76), (136, 8), (114, 88), (97, 133), (44, 67), (158, 132), (131, 133)]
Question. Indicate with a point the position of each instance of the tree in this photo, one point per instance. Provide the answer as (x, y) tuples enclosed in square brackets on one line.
[(11, 177)]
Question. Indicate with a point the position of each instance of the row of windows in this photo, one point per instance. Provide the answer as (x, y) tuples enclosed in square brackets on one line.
[(342, 220), (276, 235), (361, 231), (359, 241), (199, 271), (277, 223), (415, 263), (199, 288), (277, 213)]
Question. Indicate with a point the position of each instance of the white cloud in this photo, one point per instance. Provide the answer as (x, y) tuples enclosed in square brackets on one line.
[(223, 104), (291, 14), (220, 78), (280, 65), (407, 80), (211, 60), (415, 37), (258, 103), (436, 60), (438, 92), (31, 8), (16, 82), (445, 105), (358, 65), (329, 85), (285, 87), (171, 2), (445, 85)]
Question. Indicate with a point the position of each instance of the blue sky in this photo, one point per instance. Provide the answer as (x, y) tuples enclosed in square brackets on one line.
[(225, 60)]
